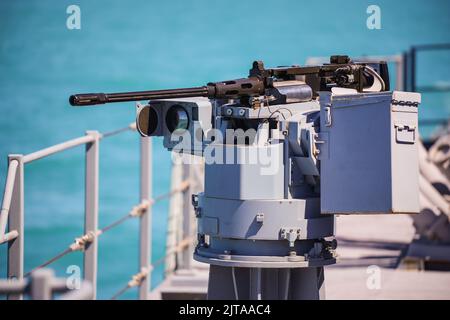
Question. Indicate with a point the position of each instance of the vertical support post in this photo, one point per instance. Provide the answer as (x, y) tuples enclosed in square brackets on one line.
[(399, 85), (174, 232), (41, 284), (145, 221), (16, 222), (91, 209), (187, 216), (286, 160), (413, 69), (405, 71)]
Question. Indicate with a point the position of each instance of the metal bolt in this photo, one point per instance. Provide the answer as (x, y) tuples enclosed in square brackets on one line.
[(260, 217), (229, 112), (241, 112)]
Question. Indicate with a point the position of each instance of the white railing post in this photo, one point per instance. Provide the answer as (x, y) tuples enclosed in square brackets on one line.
[(91, 209), (16, 222), (399, 61), (174, 220), (187, 217), (41, 284), (145, 222)]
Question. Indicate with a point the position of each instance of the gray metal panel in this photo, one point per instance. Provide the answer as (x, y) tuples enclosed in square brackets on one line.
[(359, 155), (199, 112), (405, 154), (243, 180), (237, 219)]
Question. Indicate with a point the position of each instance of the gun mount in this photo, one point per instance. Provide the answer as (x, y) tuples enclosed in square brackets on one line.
[(285, 150)]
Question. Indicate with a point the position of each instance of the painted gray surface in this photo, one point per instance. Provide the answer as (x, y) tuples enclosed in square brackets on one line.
[(243, 180), (405, 154), (237, 219), (265, 284), (364, 167)]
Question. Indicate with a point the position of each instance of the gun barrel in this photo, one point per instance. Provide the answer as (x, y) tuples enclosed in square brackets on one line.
[(88, 99)]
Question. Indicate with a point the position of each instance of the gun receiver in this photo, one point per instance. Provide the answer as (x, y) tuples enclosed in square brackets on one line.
[(340, 72)]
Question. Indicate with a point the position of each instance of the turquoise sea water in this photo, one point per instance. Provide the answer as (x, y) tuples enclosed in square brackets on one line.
[(138, 45)]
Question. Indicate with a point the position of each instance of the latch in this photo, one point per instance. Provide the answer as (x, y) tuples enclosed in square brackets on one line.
[(321, 145), (405, 133), (260, 217), (328, 115), (195, 204), (290, 234)]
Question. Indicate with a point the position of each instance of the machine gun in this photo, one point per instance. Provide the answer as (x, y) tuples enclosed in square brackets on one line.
[(276, 85)]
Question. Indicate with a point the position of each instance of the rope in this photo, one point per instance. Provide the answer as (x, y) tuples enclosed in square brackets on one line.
[(57, 257), (137, 211), (183, 186), (116, 223), (81, 242), (137, 278), (119, 293)]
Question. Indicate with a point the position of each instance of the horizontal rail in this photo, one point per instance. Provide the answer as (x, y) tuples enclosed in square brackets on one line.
[(72, 143), (433, 122), (13, 286), (21, 286), (13, 165), (9, 236), (58, 148), (436, 88), (43, 284), (439, 46), (131, 126), (83, 293)]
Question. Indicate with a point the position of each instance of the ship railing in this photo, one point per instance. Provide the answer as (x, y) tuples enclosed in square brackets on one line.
[(12, 219), (43, 285)]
